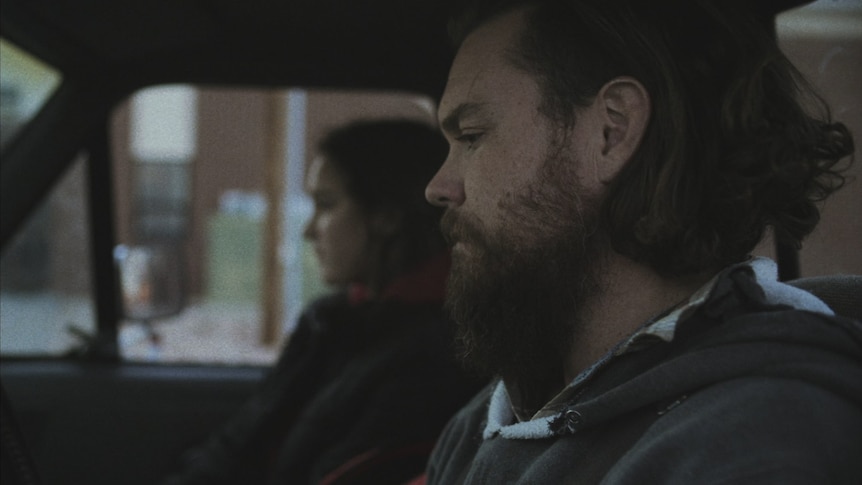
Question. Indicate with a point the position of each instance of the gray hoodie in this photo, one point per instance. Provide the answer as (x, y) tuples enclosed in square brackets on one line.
[(761, 384)]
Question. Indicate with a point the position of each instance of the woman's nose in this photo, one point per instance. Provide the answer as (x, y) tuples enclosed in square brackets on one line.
[(310, 232)]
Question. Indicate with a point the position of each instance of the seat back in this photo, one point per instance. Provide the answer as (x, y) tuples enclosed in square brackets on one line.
[(843, 293)]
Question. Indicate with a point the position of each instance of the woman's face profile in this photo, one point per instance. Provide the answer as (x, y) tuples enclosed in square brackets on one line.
[(338, 228)]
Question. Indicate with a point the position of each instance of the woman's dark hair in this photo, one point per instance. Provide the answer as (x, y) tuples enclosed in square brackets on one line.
[(730, 148), (386, 165)]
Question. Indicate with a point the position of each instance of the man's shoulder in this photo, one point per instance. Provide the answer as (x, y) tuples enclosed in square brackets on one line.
[(794, 351), (747, 306), (779, 334), (774, 392), (742, 430)]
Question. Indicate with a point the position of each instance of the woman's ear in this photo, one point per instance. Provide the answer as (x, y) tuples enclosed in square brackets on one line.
[(625, 109)]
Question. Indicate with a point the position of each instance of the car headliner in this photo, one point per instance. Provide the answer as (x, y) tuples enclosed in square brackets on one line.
[(366, 44), (345, 43)]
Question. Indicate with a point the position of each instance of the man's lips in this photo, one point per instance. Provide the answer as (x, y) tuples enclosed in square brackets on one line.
[(457, 229)]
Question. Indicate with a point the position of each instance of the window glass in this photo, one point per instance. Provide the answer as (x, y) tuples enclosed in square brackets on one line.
[(46, 298), (210, 182), (824, 40), (25, 85)]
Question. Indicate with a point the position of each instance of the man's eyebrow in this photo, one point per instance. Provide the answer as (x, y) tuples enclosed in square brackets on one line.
[(451, 123)]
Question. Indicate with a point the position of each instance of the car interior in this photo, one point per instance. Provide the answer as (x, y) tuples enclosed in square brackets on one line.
[(114, 195)]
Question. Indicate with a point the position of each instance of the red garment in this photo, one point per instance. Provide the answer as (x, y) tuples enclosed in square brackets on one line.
[(420, 480), (425, 283)]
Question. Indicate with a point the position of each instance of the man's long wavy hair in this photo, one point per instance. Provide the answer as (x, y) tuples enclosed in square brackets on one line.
[(738, 141)]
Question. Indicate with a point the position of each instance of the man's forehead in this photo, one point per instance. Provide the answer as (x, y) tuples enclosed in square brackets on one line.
[(496, 34), (482, 56)]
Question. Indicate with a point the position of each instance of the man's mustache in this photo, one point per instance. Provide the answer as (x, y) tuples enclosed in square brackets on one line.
[(461, 227)]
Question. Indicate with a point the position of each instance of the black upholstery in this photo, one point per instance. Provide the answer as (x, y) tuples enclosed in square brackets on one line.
[(17, 465), (843, 293)]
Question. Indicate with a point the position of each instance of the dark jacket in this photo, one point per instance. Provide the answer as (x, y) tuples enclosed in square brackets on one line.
[(748, 391), (359, 395)]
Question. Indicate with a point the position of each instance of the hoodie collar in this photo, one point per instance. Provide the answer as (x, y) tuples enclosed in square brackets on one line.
[(558, 416)]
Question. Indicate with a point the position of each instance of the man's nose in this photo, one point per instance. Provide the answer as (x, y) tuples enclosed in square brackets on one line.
[(446, 189)]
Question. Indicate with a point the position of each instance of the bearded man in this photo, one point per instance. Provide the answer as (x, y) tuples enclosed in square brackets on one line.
[(612, 165)]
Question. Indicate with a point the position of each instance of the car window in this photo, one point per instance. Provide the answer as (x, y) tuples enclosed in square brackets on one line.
[(46, 294), (210, 208), (210, 214), (25, 84), (46, 297)]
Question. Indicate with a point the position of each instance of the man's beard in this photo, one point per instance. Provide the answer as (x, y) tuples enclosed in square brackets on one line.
[(517, 296)]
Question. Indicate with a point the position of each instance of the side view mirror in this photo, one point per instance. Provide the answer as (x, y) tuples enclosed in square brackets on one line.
[(151, 281)]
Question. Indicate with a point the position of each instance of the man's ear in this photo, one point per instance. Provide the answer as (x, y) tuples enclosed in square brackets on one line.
[(625, 109)]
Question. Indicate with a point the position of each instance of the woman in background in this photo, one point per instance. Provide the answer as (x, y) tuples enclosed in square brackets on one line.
[(367, 379)]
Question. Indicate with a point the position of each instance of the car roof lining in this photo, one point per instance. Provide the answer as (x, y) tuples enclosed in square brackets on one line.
[(370, 44), (314, 43)]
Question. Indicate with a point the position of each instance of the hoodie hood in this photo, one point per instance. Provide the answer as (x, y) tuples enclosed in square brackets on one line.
[(750, 325)]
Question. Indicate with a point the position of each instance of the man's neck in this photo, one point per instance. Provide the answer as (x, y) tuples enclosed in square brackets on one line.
[(630, 295)]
